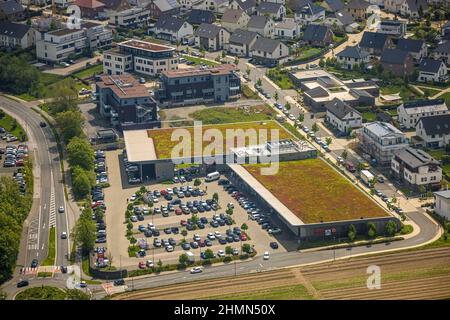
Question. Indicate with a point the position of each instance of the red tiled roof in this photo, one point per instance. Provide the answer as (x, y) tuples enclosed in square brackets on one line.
[(89, 4)]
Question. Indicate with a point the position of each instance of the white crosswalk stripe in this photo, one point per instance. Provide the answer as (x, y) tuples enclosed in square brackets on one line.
[(52, 208)]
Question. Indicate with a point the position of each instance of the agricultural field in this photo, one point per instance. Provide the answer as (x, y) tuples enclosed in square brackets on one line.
[(313, 191), (164, 145)]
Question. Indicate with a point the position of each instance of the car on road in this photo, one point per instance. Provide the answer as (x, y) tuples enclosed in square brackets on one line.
[(83, 284), (274, 245), (34, 263), (63, 269), (42, 124), (196, 270), (266, 255), (380, 179), (22, 283), (119, 282), (63, 235), (61, 209), (274, 231)]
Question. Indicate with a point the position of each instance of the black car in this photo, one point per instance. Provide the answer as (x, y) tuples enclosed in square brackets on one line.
[(223, 182), (140, 217), (168, 231), (168, 197), (119, 282), (34, 263), (230, 239), (185, 246), (42, 124), (189, 227), (222, 241), (175, 230), (155, 232), (63, 269), (274, 245), (100, 240), (204, 220), (200, 225), (22, 283), (148, 233)]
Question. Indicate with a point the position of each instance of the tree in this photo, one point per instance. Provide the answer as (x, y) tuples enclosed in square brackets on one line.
[(315, 127), (70, 123), (248, 71), (236, 61), (84, 231), (321, 62), (64, 96), (287, 106), (351, 233), (183, 259), (215, 197), (372, 230), (209, 254), (81, 182), (244, 227), (276, 96), (229, 211), (390, 228), (228, 250), (184, 232), (328, 140), (344, 154), (301, 117), (223, 54), (197, 182), (194, 219), (80, 153), (259, 82), (246, 248)]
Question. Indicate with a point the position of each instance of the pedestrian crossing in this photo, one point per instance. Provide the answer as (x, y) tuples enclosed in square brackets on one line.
[(110, 288), (52, 269), (32, 240)]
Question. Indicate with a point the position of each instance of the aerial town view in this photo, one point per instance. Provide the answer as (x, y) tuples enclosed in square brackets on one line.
[(224, 150)]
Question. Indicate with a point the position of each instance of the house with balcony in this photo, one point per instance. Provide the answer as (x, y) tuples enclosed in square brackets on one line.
[(341, 21), (434, 131), (317, 35), (134, 17), (358, 9), (442, 52), (270, 52), (380, 140), (442, 203), (248, 6), (409, 113), (416, 168), (375, 43), (273, 10), (416, 48), (216, 6), (287, 29), (352, 56), (394, 28)]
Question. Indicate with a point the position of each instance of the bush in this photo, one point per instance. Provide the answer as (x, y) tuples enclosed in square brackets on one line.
[(227, 259)]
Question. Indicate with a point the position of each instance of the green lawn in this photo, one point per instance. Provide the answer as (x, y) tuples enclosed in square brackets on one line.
[(294, 292), (249, 93), (446, 97), (405, 92), (281, 78), (42, 293), (50, 260), (308, 52), (89, 72), (429, 92), (369, 116), (230, 115), (199, 61), (12, 126)]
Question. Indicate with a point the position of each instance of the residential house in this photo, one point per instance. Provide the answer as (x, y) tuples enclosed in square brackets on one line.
[(211, 37), (91, 9), (375, 43), (333, 5), (123, 100), (186, 5), (262, 25), (234, 19), (416, 48), (309, 13), (395, 28), (116, 5), (409, 113), (397, 62), (173, 29), (16, 35), (248, 6), (199, 86), (317, 35), (287, 29), (341, 21), (431, 70), (197, 17), (442, 52), (270, 9), (412, 8), (241, 42), (283, 2), (381, 140), (62, 3), (434, 130), (139, 56), (216, 6), (129, 18), (11, 10), (159, 8), (445, 29), (342, 117), (270, 52), (358, 9), (393, 6), (416, 169), (352, 56), (63, 44), (442, 203)]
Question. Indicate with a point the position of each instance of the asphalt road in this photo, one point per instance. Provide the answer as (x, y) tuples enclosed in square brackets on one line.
[(48, 193)]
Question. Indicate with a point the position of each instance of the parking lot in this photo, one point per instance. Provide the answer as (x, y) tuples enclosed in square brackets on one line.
[(116, 202)]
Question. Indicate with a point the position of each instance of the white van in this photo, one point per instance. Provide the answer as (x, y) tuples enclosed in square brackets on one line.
[(212, 176)]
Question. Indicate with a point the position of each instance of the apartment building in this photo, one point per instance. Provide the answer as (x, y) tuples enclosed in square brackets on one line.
[(123, 100), (203, 85), (380, 140), (57, 46), (143, 57), (394, 28), (130, 18), (416, 168), (409, 113), (442, 203)]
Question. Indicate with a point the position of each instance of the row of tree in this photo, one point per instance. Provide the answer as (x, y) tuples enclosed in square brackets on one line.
[(390, 229)]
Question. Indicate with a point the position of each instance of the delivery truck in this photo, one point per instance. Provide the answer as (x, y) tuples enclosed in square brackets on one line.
[(367, 177)]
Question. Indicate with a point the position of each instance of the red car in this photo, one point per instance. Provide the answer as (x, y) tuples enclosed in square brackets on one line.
[(183, 222), (142, 265), (201, 243), (19, 163), (178, 212), (243, 237), (164, 192)]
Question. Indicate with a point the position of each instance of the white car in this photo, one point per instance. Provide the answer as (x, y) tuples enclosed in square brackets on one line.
[(150, 226), (221, 253), (63, 235), (196, 270), (133, 218), (150, 264), (169, 248), (292, 117), (266, 255), (133, 197), (217, 234), (340, 160), (196, 237), (169, 191), (61, 209), (211, 236)]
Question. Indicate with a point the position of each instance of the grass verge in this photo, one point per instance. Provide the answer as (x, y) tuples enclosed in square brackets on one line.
[(12, 126), (50, 260), (294, 292)]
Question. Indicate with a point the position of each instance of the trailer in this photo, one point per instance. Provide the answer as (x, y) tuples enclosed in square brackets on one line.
[(367, 177)]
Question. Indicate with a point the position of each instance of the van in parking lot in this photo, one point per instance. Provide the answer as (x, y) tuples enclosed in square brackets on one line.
[(254, 216), (212, 176)]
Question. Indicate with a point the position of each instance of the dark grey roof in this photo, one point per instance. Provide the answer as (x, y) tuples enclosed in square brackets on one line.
[(10, 7), (266, 45), (294, 5), (309, 8), (391, 22), (344, 17), (373, 40), (443, 47), (232, 15), (116, 5), (206, 30), (410, 45), (241, 37), (430, 65), (268, 7), (422, 103), (246, 4), (414, 5), (436, 124), (360, 93), (335, 5), (315, 32), (11, 29), (197, 16), (394, 56), (317, 92), (414, 158), (170, 23), (353, 52), (339, 108), (166, 5), (357, 4), (258, 22)]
